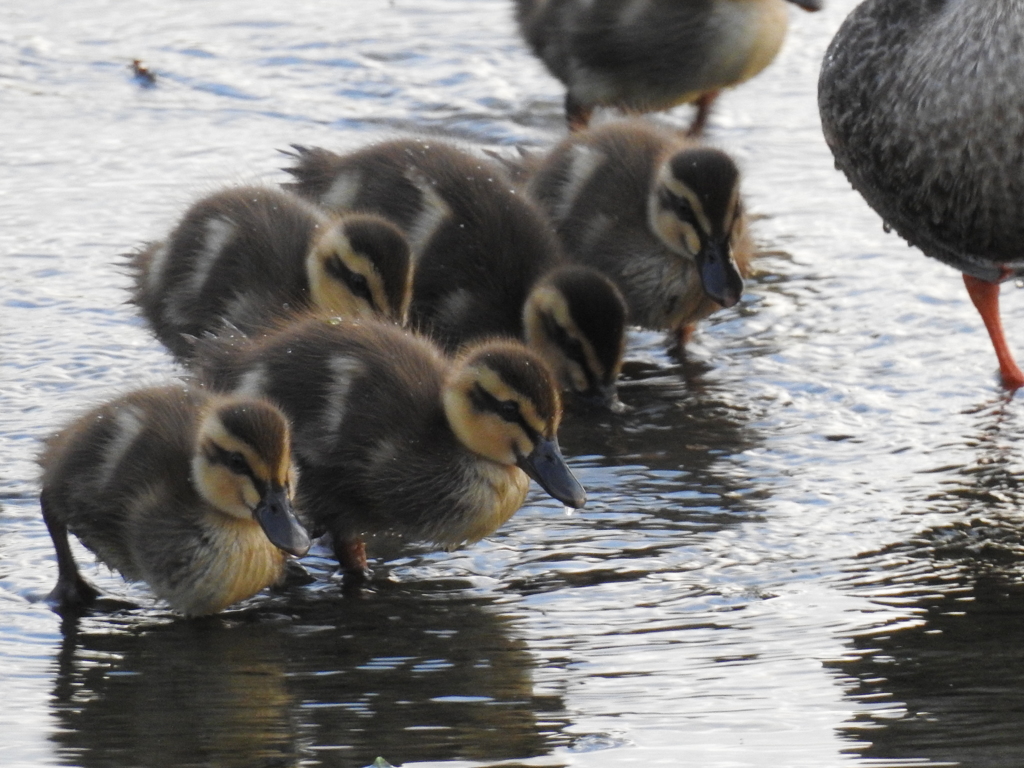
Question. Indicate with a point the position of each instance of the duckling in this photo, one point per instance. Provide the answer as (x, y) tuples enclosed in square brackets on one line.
[(248, 255), (652, 55), (393, 437), (657, 213), (575, 319), (919, 105), (183, 489), (483, 255)]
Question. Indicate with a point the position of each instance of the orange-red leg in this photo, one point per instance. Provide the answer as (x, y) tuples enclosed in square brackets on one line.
[(985, 296), (351, 554)]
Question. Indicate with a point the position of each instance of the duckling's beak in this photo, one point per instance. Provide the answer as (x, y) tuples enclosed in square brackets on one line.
[(809, 5), (546, 465), (718, 272), (277, 519)]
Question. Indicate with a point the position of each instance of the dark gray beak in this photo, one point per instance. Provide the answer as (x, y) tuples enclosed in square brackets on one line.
[(546, 465), (809, 5), (277, 519), (718, 273)]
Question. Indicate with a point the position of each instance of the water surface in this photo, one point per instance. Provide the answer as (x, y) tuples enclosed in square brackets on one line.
[(803, 542)]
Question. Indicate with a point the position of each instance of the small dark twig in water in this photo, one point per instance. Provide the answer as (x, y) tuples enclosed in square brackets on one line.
[(142, 74)]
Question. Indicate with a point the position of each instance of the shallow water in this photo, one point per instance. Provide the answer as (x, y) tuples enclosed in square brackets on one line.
[(802, 546)]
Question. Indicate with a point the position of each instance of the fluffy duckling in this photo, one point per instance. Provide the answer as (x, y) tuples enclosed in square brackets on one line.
[(249, 255), (185, 490), (657, 213), (487, 262), (651, 55), (394, 438), (919, 104), (575, 319)]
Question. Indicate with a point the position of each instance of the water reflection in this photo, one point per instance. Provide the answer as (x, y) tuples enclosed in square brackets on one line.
[(942, 682), (410, 672)]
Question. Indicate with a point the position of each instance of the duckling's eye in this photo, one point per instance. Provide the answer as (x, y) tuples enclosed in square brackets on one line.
[(356, 283), (236, 463), (359, 286), (509, 410), (485, 401)]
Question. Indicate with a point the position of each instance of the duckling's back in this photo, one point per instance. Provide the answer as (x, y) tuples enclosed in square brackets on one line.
[(477, 244), (113, 459), (243, 244), (369, 429)]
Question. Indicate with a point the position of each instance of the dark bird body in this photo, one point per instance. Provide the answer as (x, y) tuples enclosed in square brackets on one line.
[(248, 256), (650, 55), (920, 105), (187, 491), (480, 249), (393, 438)]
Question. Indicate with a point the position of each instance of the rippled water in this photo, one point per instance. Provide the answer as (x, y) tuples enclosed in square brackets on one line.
[(802, 546)]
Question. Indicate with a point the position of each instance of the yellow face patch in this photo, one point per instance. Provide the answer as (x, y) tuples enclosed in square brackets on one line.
[(485, 432), (226, 490), (331, 293)]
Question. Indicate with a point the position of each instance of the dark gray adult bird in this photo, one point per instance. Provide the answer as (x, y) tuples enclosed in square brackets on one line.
[(921, 104)]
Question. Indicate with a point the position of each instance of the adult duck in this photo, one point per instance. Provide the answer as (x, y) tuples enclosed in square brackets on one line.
[(920, 104)]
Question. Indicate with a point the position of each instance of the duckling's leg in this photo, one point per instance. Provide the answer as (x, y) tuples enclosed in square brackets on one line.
[(703, 102), (351, 554), (577, 115), (72, 591), (985, 296)]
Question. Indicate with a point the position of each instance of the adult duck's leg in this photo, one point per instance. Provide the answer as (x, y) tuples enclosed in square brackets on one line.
[(72, 591), (985, 296)]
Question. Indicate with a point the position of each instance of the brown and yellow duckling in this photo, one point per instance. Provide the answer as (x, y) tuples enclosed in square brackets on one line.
[(185, 490), (393, 437), (487, 262), (651, 55), (248, 256), (656, 212)]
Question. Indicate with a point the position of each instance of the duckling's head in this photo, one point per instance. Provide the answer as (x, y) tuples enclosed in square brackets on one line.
[(575, 318), (501, 402), (242, 466), (360, 268), (695, 208)]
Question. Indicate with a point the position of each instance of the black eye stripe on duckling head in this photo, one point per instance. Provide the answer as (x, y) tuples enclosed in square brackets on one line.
[(259, 426), (233, 460), (508, 410), (356, 282), (712, 176), (681, 209), (384, 245), (599, 313), (571, 346)]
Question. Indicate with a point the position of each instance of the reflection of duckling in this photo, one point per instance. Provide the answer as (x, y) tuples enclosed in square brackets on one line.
[(248, 255), (480, 250), (187, 491), (392, 438), (657, 213), (653, 54), (920, 104)]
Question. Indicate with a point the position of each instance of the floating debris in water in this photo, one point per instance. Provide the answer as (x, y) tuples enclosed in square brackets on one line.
[(142, 74)]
